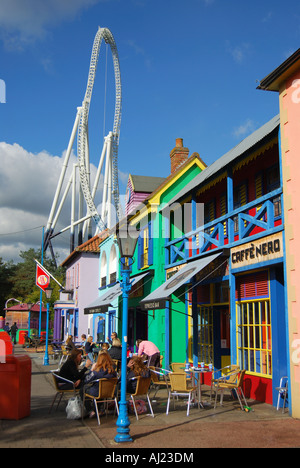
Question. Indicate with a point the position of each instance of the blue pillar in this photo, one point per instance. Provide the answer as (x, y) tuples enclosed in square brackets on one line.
[(46, 357), (123, 423)]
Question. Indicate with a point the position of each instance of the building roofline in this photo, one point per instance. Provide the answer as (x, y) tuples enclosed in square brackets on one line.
[(273, 81)]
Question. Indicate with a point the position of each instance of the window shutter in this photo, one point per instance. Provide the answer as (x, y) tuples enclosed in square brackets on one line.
[(251, 286)]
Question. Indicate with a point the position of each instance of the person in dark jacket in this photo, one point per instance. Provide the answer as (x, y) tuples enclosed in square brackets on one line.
[(115, 351), (70, 371), (13, 332)]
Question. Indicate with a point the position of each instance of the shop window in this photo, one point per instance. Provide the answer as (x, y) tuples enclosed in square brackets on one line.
[(101, 329), (113, 265), (103, 270), (145, 248), (254, 344), (203, 294), (205, 335), (221, 292)]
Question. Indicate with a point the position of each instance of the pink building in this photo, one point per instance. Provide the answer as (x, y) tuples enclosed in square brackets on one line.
[(286, 81)]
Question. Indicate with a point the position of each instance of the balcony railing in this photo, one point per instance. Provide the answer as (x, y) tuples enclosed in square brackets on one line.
[(256, 219)]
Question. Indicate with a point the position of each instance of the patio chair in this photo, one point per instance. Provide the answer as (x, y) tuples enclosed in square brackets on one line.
[(64, 355), (235, 383), (225, 373), (142, 390), (179, 384), (106, 393), (58, 382), (282, 392), (158, 380), (117, 363), (178, 367)]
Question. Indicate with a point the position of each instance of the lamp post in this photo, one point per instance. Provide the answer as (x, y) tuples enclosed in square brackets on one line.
[(48, 292), (29, 307), (127, 246)]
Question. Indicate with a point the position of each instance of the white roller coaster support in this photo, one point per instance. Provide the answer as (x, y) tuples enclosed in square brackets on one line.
[(64, 168), (102, 33), (110, 152)]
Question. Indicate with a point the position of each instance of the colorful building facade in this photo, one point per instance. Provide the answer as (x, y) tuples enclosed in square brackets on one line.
[(286, 81)]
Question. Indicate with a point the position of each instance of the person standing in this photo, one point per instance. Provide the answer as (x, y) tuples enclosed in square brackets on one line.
[(149, 351), (13, 332)]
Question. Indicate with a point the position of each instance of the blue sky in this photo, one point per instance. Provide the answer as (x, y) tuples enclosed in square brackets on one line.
[(189, 70)]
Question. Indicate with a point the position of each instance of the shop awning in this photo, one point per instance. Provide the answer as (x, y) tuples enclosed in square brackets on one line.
[(102, 303), (156, 300)]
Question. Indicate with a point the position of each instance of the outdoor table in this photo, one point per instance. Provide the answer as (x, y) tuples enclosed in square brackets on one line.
[(196, 374)]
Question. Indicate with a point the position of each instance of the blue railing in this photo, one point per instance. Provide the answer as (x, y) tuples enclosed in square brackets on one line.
[(229, 230)]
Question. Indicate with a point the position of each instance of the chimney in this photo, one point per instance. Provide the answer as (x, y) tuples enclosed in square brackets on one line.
[(178, 155)]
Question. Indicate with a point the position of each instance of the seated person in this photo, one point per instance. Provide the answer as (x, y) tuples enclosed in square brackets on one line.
[(105, 346), (102, 369), (115, 351), (70, 371), (69, 343), (89, 348), (136, 368)]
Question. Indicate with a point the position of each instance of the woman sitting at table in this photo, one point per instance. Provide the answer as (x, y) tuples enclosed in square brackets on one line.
[(69, 343), (136, 368), (70, 371), (102, 369), (115, 351)]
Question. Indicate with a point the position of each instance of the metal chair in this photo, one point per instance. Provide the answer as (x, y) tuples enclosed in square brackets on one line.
[(225, 373), (106, 393), (235, 382), (58, 381), (180, 386), (64, 355), (158, 380), (142, 389), (282, 392)]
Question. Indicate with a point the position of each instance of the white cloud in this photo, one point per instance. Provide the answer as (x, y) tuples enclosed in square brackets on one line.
[(24, 21), (27, 186), (244, 129), (238, 52)]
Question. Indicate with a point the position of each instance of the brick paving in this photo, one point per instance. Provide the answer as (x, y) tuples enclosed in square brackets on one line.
[(228, 426)]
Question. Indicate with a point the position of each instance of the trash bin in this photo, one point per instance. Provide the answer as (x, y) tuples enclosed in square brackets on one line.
[(22, 336), (15, 387), (5, 340)]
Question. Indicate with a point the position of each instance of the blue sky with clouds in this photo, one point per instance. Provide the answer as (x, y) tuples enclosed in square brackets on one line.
[(189, 70)]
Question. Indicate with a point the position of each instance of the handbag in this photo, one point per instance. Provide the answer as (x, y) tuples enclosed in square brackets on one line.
[(74, 408)]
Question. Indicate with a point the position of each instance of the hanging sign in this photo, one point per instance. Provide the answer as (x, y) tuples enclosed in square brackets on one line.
[(42, 279)]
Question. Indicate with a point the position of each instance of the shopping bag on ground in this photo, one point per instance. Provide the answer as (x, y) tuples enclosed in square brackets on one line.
[(74, 408), (140, 405)]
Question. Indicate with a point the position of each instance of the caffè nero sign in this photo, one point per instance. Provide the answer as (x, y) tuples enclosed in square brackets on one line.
[(261, 250)]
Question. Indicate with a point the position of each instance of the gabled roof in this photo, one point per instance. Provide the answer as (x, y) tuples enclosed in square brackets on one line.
[(92, 245), (145, 184), (23, 307), (234, 154)]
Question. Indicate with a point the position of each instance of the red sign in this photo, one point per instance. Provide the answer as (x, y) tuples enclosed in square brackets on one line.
[(42, 279)]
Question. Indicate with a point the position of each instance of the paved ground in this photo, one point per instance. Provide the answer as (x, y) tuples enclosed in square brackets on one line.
[(228, 426)]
